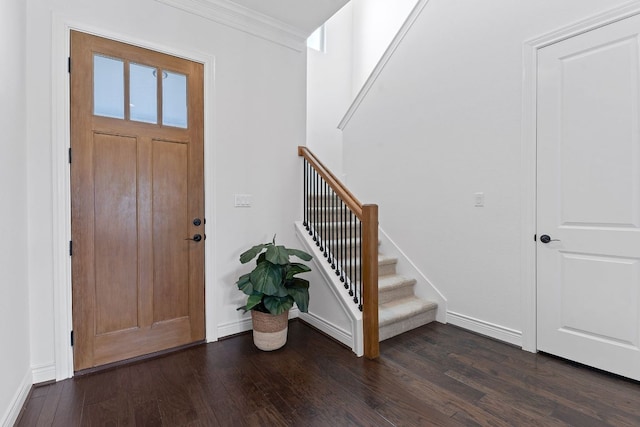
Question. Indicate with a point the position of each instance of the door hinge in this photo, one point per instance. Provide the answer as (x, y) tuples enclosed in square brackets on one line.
[(69, 154), (70, 247), (71, 338), (69, 65)]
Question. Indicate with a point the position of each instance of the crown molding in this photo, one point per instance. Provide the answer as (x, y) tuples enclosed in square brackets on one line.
[(241, 18)]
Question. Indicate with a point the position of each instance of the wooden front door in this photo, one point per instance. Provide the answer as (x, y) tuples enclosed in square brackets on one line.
[(137, 196), (589, 198)]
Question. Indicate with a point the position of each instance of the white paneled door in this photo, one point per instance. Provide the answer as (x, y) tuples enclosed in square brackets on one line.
[(588, 241)]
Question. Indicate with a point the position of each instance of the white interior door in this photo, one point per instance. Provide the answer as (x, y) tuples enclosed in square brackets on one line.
[(588, 198)]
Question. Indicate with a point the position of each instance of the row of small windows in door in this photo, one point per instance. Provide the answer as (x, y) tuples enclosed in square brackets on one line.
[(109, 92)]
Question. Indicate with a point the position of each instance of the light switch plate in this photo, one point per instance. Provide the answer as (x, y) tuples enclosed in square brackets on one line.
[(243, 200), (479, 197)]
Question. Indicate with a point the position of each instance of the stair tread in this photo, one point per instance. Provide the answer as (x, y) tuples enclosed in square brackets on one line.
[(382, 260), (398, 310), (385, 259), (386, 267), (355, 241), (394, 281)]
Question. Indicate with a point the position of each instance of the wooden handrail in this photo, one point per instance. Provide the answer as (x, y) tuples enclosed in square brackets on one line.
[(368, 216), (349, 199)]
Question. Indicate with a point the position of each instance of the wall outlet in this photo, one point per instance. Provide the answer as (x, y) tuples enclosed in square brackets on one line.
[(479, 198), (243, 200)]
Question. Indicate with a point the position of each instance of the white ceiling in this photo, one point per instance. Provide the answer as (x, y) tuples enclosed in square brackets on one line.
[(305, 15)]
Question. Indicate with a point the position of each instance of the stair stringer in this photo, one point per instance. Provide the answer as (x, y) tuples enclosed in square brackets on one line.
[(324, 316), (423, 288)]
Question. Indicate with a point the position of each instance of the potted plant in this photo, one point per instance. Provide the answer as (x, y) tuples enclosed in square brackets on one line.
[(272, 288)]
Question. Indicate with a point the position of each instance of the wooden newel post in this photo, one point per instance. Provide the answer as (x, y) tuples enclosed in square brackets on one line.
[(370, 281)]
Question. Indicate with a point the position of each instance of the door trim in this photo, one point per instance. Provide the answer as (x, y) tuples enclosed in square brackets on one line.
[(528, 159), (61, 185)]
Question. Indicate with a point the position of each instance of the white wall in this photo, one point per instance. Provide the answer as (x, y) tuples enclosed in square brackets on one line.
[(329, 90), (442, 122), (375, 24), (258, 107), (15, 374), (356, 38)]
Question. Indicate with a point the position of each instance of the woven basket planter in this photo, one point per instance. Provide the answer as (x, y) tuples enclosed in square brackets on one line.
[(269, 331)]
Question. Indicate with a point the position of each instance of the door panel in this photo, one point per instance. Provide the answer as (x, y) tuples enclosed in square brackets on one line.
[(583, 277), (589, 198), (116, 251), (600, 103), (170, 228), (137, 183)]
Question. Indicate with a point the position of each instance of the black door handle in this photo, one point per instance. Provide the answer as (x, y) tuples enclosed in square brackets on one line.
[(195, 238), (546, 239)]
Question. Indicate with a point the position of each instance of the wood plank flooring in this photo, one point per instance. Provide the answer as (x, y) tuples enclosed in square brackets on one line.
[(437, 375)]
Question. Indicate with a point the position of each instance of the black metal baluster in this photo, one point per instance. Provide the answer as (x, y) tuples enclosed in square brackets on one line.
[(347, 271), (358, 298), (336, 224), (315, 208), (325, 229), (310, 190), (330, 241), (351, 254), (343, 243), (310, 194), (329, 224), (320, 224), (340, 238), (305, 219), (336, 218), (321, 213)]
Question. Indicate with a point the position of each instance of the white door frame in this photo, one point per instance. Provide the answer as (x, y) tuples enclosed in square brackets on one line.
[(528, 155), (61, 184)]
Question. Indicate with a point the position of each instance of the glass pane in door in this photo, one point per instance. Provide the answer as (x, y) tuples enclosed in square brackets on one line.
[(174, 99), (108, 87), (143, 89)]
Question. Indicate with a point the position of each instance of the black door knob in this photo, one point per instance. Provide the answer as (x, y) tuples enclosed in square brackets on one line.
[(195, 238), (197, 222), (546, 239)]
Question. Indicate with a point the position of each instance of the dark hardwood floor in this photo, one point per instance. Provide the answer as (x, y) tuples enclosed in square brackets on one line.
[(437, 375)]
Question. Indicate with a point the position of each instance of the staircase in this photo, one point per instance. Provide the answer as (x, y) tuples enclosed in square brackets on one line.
[(342, 233), (399, 310)]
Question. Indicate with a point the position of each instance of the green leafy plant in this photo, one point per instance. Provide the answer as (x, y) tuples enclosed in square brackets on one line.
[(272, 286)]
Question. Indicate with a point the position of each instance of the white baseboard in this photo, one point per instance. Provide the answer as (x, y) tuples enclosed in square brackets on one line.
[(17, 402), (329, 328), (244, 325), (492, 330), (42, 373)]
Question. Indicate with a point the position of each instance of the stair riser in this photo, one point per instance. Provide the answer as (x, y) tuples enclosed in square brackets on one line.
[(393, 329), (389, 295), (386, 269)]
